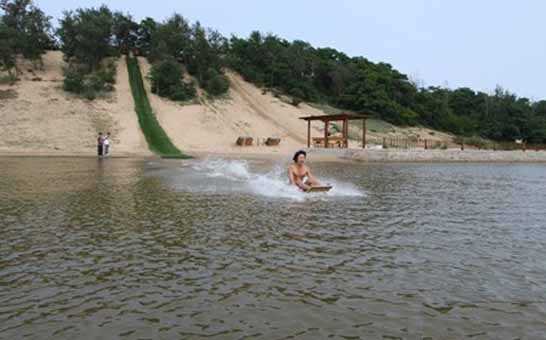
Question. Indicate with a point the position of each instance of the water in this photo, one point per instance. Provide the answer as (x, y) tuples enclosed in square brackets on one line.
[(226, 249)]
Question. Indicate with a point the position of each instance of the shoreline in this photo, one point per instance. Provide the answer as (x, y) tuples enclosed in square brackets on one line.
[(322, 155), (444, 156)]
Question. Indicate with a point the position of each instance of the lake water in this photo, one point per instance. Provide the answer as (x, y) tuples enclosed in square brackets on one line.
[(225, 249)]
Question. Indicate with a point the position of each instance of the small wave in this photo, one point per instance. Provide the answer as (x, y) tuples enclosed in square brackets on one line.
[(219, 168), (272, 184)]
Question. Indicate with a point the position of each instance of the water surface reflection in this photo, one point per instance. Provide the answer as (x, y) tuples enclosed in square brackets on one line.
[(171, 249)]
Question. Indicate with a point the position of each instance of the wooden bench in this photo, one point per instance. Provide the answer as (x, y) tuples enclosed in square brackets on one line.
[(245, 141), (273, 141)]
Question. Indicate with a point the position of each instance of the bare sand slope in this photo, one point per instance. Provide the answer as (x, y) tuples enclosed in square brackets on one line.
[(38, 118), (214, 126)]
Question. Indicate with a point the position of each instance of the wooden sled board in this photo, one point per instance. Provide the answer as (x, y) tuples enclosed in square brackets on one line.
[(320, 189)]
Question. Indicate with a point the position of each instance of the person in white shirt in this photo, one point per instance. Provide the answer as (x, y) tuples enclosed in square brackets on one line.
[(106, 145), (100, 144)]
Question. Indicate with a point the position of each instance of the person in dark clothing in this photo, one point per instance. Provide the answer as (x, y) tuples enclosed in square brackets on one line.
[(100, 144)]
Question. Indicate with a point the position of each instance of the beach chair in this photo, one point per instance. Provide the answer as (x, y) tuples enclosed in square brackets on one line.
[(245, 141), (272, 141)]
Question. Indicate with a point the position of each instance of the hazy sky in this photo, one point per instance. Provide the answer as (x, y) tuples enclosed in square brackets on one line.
[(479, 43)]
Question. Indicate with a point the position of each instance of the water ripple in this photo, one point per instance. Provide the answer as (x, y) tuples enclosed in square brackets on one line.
[(135, 250)]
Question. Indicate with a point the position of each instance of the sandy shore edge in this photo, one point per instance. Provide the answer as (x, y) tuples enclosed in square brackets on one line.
[(347, 155)]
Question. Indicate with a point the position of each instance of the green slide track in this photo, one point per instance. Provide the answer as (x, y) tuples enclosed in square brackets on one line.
[(157, 139)]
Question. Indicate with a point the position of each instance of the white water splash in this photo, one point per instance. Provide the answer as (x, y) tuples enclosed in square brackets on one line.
[(272, 184)]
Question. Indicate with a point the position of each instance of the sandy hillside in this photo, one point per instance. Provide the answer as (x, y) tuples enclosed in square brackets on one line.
[(38, 117), (214, 126)]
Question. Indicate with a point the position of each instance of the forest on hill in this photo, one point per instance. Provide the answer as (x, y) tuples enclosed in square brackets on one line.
[(186, 56)]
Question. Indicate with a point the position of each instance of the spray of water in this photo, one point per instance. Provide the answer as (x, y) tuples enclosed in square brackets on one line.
[(272, 184)]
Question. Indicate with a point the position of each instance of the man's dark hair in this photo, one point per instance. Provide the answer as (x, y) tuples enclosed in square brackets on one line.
[(297, 154)]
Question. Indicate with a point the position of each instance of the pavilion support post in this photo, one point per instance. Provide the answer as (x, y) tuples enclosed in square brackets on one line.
[(364, 133), (345, 133), (308, 134), (326, 126)]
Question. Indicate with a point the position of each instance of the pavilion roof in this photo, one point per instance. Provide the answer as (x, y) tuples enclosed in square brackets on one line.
[(336, 117)]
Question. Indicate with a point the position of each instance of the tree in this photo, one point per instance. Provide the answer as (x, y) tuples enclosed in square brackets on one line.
[(357, 84), (201, 51), (540, 108), (125, 32), (145, 32), (29, 27), (217, 83), (171, 38), (166, 79), (7, 47), (199, 55), (86, 35), (204, 59)]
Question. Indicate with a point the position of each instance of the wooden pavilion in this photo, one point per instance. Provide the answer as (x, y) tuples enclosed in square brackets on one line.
[(327, 140)]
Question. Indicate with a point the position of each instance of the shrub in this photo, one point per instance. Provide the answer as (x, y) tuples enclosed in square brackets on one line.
[(73, 81), (296, 101), (93, 82), (164, 76), (89, 93), (166, 79), (297, 95), (9, 78), (478, 142), (217, 83), (182, 92), (107, 74), (408, 117), (89, 85)]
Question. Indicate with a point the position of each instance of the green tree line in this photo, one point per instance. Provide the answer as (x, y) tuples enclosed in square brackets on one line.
[(186, 55), (355, 83), (24, 30)]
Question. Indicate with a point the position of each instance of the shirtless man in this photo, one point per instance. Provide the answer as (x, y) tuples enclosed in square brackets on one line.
[(299, 174)]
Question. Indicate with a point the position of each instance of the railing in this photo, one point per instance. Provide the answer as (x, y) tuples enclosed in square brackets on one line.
[(429, 144), (409, 143), (511, 146)]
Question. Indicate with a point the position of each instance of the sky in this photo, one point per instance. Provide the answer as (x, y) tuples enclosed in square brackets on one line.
[(456, 43)]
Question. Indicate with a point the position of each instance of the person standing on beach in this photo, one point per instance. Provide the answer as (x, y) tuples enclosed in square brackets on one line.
[(100, 145), (106, 145)]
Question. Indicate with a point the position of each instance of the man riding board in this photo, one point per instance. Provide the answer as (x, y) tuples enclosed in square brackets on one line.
[(300, 174)]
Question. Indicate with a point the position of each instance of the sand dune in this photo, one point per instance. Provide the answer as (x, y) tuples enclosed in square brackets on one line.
[(214, 125), (38, 117)]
